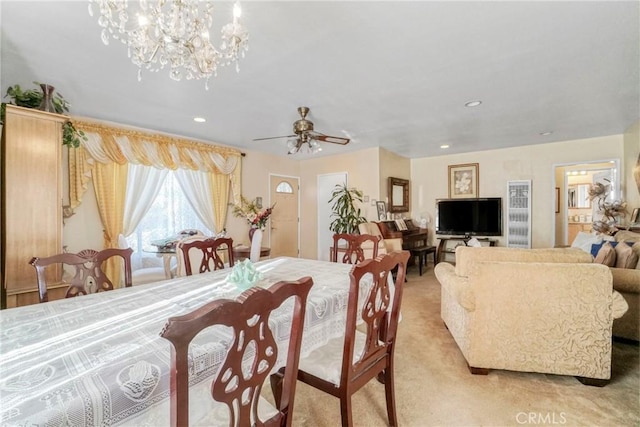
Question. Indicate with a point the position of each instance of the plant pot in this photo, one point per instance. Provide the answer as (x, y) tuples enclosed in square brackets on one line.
[(47, 98)]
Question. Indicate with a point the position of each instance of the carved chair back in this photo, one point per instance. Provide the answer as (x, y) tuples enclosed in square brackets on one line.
[(352, 245), (374, 346), (238, 385), (204, 254), (88, 273)]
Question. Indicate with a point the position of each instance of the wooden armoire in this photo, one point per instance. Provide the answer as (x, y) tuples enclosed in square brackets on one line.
[(31, 199)]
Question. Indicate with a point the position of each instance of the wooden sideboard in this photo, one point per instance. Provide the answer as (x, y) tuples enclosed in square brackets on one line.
[(31, 199)]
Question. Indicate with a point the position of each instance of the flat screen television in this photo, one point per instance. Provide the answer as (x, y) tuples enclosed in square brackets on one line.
[(469, 217)]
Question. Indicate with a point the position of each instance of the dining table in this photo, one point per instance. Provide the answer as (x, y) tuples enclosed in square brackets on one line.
[(99, 359)]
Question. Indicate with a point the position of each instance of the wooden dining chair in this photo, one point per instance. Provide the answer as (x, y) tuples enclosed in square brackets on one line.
[(353, 247), (345, 364), (202, 254), (88, 273), (238, 384)]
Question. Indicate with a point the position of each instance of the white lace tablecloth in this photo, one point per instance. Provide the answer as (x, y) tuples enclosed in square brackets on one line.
[(99, 360)]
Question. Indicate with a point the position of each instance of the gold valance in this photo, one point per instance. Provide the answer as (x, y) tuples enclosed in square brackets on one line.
[(108, 143)]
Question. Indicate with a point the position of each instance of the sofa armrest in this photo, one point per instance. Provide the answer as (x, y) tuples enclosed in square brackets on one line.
[(456, 286), (626, 279)]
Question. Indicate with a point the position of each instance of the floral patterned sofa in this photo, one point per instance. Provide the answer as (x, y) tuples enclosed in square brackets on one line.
[(532, 310)]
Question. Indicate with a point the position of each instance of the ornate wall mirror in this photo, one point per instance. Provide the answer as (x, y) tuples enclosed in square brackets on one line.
[(398, 195)]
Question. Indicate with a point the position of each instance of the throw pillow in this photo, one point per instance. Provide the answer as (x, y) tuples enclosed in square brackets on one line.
[(606, 255), (625, 256), (584, 240), (595, 248)]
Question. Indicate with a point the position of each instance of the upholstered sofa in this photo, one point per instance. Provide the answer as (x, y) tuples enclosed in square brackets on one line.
[(627, 282), (626, 277), (532, 310)]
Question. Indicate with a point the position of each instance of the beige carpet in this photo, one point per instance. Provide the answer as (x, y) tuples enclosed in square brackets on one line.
[(435, 388)]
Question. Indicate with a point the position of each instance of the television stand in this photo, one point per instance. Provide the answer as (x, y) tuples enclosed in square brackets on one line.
[(444, 248)]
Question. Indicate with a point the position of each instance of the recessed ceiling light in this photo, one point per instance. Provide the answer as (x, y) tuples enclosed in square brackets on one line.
[(199, 119), (444, 146), (473, 103), (546, 133)]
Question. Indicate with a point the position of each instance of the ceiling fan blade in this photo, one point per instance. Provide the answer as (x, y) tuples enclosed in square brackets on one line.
[(275, 137), (331, 139)]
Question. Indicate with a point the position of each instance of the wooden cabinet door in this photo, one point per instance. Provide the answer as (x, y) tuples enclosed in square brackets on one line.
[(32, 197)]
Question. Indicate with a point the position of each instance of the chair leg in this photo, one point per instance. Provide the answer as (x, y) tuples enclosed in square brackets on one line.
[(390, 394), (345, 410)]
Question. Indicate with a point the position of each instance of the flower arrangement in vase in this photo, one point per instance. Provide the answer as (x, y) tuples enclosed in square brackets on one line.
[(255, 216)]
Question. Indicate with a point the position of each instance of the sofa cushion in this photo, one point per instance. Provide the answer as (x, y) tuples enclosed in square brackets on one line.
[(467, 256), (627, 236), (584, 240), (595, 247), (636, 248), (606, 255), (625, 256)]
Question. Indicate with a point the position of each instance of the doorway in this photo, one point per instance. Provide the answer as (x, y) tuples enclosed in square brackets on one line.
[(285, 228), (573, 214)]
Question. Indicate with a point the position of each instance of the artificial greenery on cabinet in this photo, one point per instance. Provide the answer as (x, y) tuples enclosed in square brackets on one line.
[(33, 98)]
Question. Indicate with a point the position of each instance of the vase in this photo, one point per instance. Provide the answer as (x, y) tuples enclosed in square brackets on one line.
[(47, 98), (251, 231)]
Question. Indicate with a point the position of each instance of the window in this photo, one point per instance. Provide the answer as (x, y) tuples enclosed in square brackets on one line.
[(284, 187), (169, 214)]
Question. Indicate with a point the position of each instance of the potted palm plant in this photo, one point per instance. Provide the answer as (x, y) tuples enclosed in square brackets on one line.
[(346, 215)]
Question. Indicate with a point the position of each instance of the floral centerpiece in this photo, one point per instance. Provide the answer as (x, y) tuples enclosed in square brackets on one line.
[(249, 210)]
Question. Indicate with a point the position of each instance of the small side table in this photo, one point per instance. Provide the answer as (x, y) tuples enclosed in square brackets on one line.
[(242, 252), (421, 252)]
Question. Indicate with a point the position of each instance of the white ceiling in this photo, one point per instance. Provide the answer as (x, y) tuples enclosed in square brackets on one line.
[(389, 74)]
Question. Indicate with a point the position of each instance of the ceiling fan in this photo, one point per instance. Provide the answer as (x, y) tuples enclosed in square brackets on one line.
[(304, 134)]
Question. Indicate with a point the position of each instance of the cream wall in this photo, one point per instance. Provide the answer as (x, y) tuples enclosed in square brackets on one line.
[(392, 165), (631, 161), (369, 169), (363, 173), (496, 167), (256, 168)]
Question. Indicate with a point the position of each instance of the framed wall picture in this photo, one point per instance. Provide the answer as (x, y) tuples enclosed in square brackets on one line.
[(463, 181), (382, 210)]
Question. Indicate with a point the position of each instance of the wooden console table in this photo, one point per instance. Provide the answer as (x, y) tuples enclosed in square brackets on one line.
[(443, 250)]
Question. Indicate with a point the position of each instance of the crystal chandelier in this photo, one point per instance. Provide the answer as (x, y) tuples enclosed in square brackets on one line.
[(173, 33)]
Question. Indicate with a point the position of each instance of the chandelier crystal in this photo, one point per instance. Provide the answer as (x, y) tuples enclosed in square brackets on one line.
[(172, 33)]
